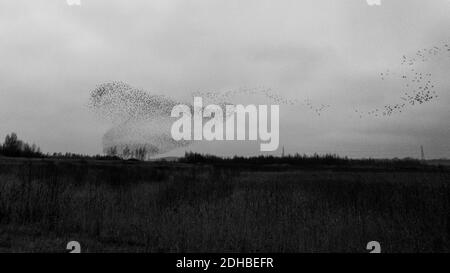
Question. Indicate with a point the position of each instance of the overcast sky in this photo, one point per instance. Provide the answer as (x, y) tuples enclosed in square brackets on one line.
[(331, 52)]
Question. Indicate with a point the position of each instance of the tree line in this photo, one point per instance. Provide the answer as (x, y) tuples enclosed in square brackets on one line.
[(14, 147), (139, 152), (300, 160)]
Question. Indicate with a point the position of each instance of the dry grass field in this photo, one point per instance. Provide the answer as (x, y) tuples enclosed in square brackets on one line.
[(125, 206)]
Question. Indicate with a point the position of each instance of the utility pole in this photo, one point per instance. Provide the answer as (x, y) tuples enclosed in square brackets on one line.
[(422, 154), (282, 153)]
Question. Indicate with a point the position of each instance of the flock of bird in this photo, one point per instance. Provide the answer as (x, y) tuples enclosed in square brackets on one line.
[(425, 54), (418, 87), (143, 119), (268, 95), (120, 101), (140, 119)]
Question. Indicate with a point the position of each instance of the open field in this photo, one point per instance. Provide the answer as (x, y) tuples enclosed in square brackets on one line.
[(175, 207)]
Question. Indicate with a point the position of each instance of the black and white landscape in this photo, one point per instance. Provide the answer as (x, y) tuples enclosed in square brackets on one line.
[(362, 152)]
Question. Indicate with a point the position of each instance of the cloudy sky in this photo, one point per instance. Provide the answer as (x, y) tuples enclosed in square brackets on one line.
[(330, 52)]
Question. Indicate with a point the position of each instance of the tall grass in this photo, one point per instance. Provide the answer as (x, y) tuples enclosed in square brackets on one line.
[(199, 208)]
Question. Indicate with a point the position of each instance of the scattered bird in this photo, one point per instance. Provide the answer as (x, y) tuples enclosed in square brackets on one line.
[(267, 93), (418, 87)]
